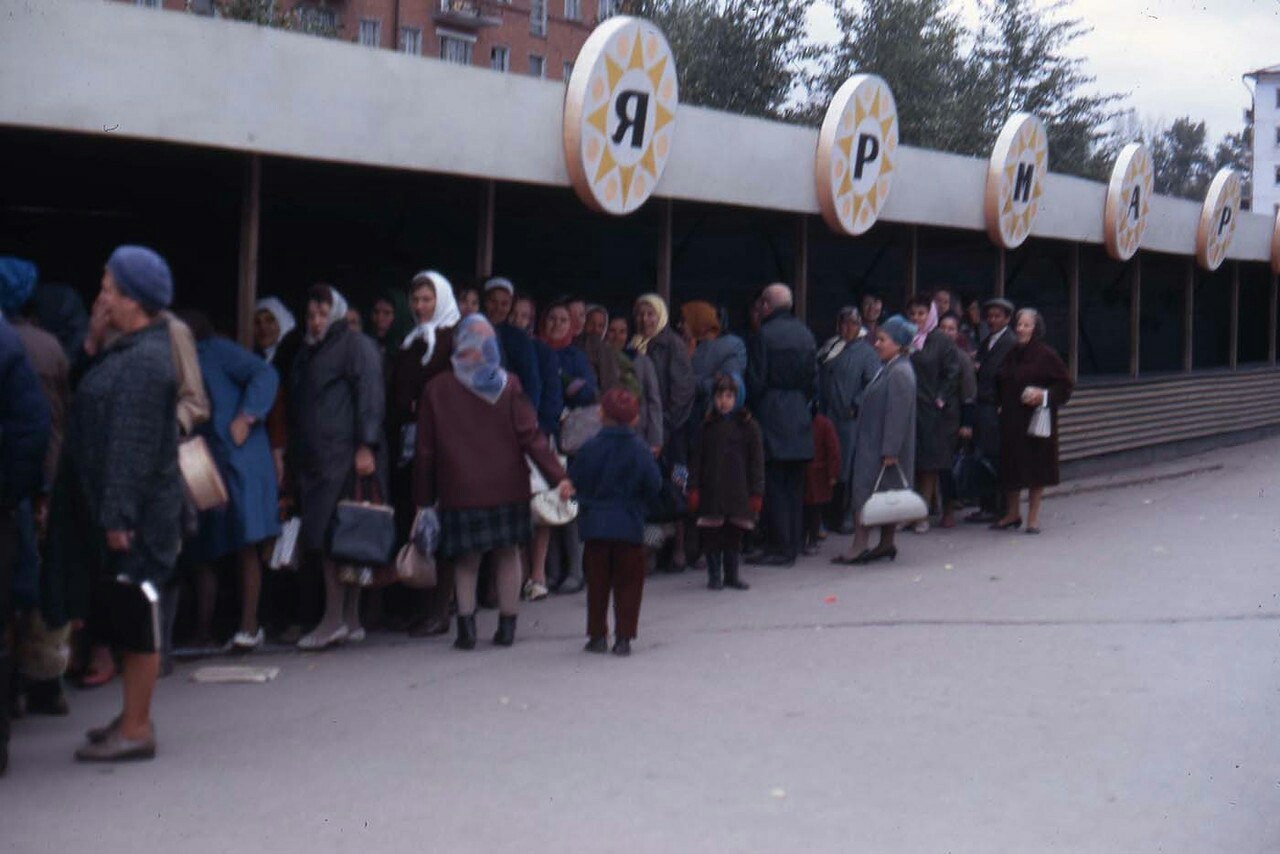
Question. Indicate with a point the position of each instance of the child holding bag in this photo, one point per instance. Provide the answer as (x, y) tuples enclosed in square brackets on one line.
[(726, 481)]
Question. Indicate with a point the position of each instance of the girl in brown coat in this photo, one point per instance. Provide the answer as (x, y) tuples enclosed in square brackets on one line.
[(726, 481), (1031, 372)]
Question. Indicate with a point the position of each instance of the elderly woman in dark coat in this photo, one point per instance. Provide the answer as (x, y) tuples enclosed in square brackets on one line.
[(475, 431), (1032, 376), (670, 357), (937, 365), (846, 365), (337, 401), (886, 435), (120, 496)]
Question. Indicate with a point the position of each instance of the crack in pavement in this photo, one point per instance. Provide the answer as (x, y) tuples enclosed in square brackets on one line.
[(1014, 622)]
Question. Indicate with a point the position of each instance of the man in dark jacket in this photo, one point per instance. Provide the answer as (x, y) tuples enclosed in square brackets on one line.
[(24, 436), (781, 380), (991, 355)]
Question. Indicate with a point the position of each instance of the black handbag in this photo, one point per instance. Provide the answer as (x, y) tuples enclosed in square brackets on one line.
[(363, 532), (974, 475)]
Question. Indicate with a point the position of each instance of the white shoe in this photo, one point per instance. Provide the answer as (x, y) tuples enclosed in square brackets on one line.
[(356, 635), (921, 527), (316, 641), (245, 642), (533, 591)]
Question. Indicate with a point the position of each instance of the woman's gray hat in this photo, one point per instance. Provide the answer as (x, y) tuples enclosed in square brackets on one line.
[(143, 276)]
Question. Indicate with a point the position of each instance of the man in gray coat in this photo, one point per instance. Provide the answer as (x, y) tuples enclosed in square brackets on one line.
[(781, 380)]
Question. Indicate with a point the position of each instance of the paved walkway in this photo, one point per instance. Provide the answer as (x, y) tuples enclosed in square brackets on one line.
[(1110, 686)]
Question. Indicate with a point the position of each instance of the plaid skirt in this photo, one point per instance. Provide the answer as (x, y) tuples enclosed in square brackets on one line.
[(483, 529)]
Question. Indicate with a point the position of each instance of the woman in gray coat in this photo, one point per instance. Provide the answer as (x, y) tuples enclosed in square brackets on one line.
[(886, 436), (846, 365), (338, 401)]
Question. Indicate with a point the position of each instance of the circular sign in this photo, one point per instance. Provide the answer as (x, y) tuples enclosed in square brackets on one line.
[(619, 115), (1218, 219), (1275, 245), (1128, 201), (854, 165), (1015, 180)]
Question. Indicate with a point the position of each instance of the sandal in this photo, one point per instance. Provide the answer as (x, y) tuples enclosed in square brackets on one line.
[(533, 591), (315, 642), (245, 642)]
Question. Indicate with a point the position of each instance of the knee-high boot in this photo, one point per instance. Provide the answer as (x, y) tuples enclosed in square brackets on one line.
[(731, 578), (715, 570)]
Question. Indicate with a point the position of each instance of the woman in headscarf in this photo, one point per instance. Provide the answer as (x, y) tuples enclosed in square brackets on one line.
[(1032, 376), (559, 569), (886, 439), (475, 430), (424, 354), (337, 405), (276, 340), (390, 320), (846, 365), (712, 351), (937, 365), (119, 499)]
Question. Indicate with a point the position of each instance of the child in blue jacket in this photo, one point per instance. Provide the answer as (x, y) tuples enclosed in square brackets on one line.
[(616, 477)]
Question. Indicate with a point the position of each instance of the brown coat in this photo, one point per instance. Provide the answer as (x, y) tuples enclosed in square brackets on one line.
[(471, 454), (1027, 461), (409, 376), (53, 370), (726, 465)]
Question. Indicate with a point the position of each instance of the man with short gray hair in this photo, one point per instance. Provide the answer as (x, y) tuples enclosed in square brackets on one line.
[(781, 380)]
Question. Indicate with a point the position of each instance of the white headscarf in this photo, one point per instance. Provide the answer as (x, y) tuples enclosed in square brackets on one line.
[(337, 314), (446, 314), (284, 319)]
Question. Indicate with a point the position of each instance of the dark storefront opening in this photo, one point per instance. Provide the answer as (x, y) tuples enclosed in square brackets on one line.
[(963, 261), (1162, 320), (1212, 333), (843, 269), (1255, 308), (1104, 313), (1038, 275)]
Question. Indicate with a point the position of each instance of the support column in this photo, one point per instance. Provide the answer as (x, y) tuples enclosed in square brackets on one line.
[(801, 274), (1135, 315), (485, 229), (913, 261), (250, 221), (1000, 265), (1271, 320), (1073, 311), (1234, 358), (665, 208), (1189, 316)]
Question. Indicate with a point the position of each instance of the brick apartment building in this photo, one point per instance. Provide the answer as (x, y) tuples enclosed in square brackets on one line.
[(536, 37)]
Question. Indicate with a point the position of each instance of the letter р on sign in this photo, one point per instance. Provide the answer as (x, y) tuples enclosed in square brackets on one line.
[(856, 158), (619, 115), (1218, 219)]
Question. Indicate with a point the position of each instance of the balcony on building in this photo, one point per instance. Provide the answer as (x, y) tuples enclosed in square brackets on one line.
[(464, 14)]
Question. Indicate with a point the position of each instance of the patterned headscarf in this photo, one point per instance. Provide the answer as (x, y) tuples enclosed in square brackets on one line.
[(477, 361)]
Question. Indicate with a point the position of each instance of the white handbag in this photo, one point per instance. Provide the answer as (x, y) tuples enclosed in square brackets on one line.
[(893, 506), (1041, 424), (550, 512)]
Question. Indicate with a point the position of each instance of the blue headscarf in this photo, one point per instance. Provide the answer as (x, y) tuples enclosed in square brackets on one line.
[(740, 390), (900, 330), (477, 361), (17, 282)]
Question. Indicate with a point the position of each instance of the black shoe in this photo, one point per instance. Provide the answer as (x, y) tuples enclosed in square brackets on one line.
[(506, 633), (732, 579), (622, 647), (466, 632), (429, 628), (45, 697), (715, 572), (878, 553), (597, 645)]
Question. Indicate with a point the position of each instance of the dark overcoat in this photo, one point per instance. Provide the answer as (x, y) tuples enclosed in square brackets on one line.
[(937, 367), (991, 355), (842, 380), (1029, 461), (782, 377), (337, 403), (727, 465)]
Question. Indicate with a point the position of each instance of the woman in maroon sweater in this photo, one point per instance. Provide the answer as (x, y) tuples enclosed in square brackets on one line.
[(475, 429)]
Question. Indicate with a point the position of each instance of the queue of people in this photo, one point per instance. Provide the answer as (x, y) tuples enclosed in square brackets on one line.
[(548, 448)]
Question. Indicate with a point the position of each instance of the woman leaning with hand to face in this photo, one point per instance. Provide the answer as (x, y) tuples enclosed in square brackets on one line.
[(1032, 376)]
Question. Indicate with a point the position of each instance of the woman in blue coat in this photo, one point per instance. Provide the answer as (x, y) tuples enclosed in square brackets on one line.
[(242, 389)]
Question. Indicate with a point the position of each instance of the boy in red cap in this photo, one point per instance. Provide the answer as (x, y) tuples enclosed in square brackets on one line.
[(616, 477)]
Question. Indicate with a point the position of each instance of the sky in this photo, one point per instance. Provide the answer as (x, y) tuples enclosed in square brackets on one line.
[(1172, 57)]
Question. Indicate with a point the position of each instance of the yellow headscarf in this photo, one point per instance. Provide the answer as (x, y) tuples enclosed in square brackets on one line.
[(638, 341)]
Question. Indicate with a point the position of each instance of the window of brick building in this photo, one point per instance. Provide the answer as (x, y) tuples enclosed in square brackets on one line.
[(606, 9), (538, 17), (500, 58), (411, 40), (370, 32), (573, 10), (454, 49), (149, 4), (537, 65)]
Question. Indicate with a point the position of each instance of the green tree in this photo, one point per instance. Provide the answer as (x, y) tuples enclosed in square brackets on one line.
[(915, 45), (309, 16), (1180, 156), (1235, 151), (743, 56), (1021, 51)]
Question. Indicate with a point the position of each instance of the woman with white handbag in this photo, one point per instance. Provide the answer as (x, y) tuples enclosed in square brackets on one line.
[(1032, 384), (884, 453)]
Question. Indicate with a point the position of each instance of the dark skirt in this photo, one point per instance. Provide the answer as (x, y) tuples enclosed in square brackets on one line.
[(482, 529)]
